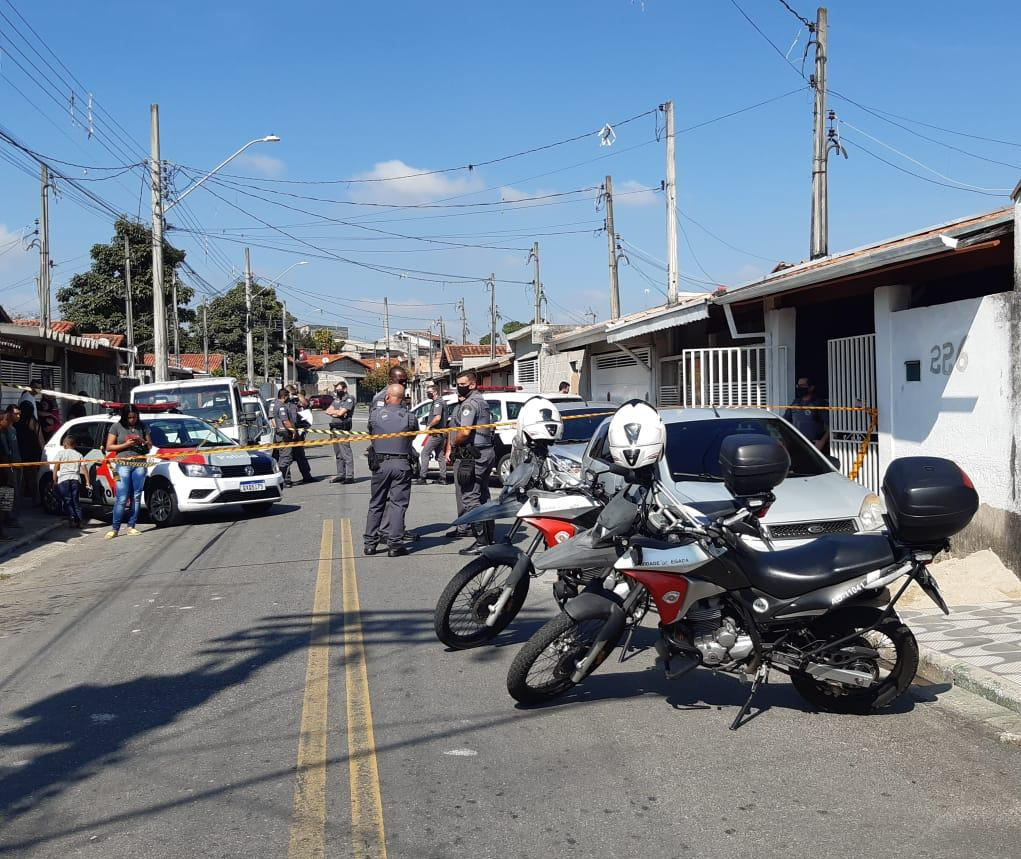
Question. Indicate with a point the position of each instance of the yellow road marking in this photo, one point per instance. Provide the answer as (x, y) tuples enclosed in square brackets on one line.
[(367, 834), (308, 828)]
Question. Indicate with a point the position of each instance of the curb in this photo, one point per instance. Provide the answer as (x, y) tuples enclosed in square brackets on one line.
[(7, 549), (937, 667)]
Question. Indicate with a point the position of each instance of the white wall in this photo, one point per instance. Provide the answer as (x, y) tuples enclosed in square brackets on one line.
[(781, 328), (964, 406)]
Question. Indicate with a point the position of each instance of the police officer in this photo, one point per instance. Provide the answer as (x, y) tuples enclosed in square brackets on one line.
[(434, 444), (341, 413), (390, 463), (285, 419), (808, 414), (471, 452), (397, 376)]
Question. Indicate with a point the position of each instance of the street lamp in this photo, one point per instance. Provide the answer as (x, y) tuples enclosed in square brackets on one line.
[(269, 138)]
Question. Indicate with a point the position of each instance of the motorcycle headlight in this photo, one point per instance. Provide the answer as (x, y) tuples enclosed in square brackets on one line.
[(197, 470), (871, 513), (567, 465)]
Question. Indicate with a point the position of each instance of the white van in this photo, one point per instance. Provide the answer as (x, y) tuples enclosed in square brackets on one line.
[(217, 400)]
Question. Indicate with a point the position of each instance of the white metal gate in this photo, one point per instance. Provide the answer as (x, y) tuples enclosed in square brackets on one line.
[(852, 382), (617, 376), (730, 376), (526, 375)]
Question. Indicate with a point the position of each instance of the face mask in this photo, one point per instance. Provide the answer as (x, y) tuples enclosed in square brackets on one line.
[(803, 391), (463, 390)]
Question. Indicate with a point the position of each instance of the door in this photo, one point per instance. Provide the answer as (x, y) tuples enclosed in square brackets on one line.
[(852, 382), (618, 377)]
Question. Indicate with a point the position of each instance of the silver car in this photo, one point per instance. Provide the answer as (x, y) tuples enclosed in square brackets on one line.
[(815, 498)]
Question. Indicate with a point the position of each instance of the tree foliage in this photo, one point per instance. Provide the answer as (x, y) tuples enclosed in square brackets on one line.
[(95, 300), (323, 339), (513, 325), (376, 379)]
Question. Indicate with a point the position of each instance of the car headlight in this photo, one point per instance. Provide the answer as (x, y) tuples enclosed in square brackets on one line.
[(192, 469), (871, 513)]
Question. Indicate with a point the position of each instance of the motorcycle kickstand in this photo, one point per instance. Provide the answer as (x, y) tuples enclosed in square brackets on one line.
[(627, 643), (761, 676)]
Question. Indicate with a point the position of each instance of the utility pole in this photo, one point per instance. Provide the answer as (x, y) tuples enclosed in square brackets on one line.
[(283, 326), (44, 248), (671, 206), (536, 283), (611, 240), (205, 336), (129, 310), (820, 180), (265, 353), (492, 316), (159, 307), (249, 342), (177, 321), (386, 324), (464, 322), (431, 324)]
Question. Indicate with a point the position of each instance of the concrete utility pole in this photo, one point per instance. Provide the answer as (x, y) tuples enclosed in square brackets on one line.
[(431, 324), (464, 322), (283, 326), (611, 240), (386, 324), (159, 307), (205, 337), (44, 248), (820, 180), (536, 283), (249, 342), (177, 320), (265, 353), (492, 316), (671, 206), (129, 310)]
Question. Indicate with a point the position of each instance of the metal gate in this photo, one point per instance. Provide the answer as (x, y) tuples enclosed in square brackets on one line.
[(852, 382), (730, 376)]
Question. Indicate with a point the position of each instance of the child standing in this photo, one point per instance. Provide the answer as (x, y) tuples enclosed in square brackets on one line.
[(67, 467)]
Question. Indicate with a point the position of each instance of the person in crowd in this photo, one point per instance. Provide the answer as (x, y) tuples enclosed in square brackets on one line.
[(341, 413), (808, 414), (390, 463), (434, 444), (131, 441), (32, 393), (30, 444), (472, 450), (397, 376), (564, 388), (68, 466), (77, 408), (10, 449), (48, 417), (286, 420), (8, 478)]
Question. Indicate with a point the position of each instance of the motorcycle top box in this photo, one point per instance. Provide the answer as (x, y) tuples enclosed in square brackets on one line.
[(752, 464), (928, 499)]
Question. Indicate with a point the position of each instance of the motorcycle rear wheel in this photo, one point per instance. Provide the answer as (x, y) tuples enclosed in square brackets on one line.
[(463, 607), (894, 670), (543, 667)]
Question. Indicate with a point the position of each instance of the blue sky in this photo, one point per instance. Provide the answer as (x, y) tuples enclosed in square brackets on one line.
[(384, 89)]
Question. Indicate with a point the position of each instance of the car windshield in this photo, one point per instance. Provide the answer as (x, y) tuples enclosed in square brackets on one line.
[(185, 432), (209, 402), (693, 447), (580, 429)]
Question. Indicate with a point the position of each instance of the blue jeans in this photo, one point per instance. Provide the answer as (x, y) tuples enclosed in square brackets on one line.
[(130, 480), (70, 499)]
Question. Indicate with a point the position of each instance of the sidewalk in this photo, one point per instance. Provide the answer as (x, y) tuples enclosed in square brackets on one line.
[(978, 645), (35, 526)]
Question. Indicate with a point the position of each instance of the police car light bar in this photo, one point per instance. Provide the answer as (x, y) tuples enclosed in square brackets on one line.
[(143, 407)]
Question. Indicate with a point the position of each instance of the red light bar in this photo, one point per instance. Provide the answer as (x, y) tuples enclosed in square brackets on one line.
[(142, 407), (249, 393)]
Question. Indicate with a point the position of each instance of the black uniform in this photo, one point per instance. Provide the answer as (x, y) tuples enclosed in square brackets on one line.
[(342, 450), (391, 481), (474, 460), (289, 411), (435, 444)]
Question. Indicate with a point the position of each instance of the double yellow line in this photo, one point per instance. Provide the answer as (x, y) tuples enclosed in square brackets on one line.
[(308, 828)]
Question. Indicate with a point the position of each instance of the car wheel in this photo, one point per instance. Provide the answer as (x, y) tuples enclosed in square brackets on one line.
[(163, 509), (259, 509), (503, 469)]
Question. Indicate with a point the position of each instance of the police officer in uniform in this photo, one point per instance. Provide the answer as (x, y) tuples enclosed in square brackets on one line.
[(471, 452), (434, 444), (285, 419), (398, 376), (390, 463), (341, 413)]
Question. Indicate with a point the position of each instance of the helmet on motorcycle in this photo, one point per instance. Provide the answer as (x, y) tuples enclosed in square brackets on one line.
[(636, 436), (538, 421)]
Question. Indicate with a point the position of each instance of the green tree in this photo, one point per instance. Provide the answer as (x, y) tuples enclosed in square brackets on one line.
[(94, 300), (376, 379), (513, 325), (484, 340), (323, 339)]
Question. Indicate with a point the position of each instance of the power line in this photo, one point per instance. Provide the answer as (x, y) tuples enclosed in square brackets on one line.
[(797, 15), (771, 43)]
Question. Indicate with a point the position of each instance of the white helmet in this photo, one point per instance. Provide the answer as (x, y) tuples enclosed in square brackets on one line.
[(637, 435), (538, 421)]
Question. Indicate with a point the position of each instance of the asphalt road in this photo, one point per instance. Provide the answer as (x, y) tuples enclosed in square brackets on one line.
[(159, 697)]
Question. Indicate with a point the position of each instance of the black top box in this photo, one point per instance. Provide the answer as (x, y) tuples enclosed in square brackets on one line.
[(928, 499), (752, 464)]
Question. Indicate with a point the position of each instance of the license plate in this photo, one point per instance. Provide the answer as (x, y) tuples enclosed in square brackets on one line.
[(252, 485)]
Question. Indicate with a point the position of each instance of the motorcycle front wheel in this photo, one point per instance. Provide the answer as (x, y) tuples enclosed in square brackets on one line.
[(543, 667), (892, 671), (464, 606)]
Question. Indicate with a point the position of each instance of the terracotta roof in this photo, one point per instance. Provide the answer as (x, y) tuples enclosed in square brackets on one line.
[(57, 325), (373, 363), (189, 361), (457, 352), (115, 340)]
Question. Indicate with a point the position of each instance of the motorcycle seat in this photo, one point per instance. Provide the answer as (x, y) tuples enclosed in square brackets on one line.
[(826, 561)]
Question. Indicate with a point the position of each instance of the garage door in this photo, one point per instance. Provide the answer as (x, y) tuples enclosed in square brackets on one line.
[(618, 377)]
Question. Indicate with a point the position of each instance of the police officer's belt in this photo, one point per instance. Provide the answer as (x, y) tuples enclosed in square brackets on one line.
[(393, 455)]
